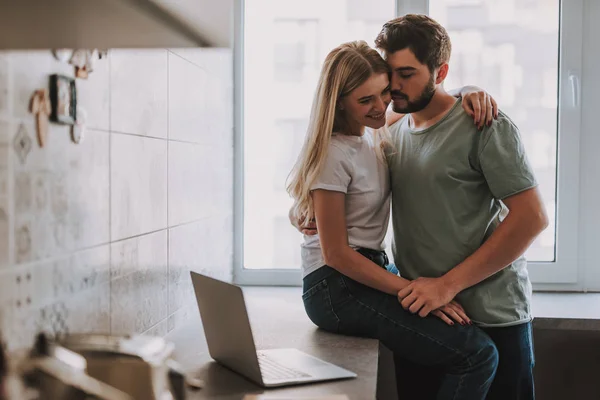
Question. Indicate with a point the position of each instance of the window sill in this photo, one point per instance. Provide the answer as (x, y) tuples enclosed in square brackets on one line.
[(551, 310), (566, 311)]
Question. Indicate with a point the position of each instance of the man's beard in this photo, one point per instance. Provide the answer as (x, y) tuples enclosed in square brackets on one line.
[(420, 103)]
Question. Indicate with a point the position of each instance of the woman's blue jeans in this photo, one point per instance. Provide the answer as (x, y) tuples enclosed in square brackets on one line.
[(465, 354)]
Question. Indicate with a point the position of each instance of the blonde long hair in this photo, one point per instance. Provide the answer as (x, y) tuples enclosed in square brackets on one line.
[(345, 68)]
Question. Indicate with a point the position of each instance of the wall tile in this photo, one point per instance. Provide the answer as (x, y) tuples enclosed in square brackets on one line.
[(185, 254), (216, 233), (70, 294), (93, 95), (4, 233), (222, 185), (138, 85), (160, 329), (218, 62), (61, 194), (5, 129), (45, 282), (189, 170), (5, 211), (139, 285), (138, 254), (206, 247), (217, 113), (4, 80), (70, 275), (8, 295), (194, 55), (187, 100), (88, 312), (181, 316), (219, 184), (199, 181), (139, 185)]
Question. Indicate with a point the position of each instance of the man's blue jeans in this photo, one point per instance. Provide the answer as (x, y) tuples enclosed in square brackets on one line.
[(514, 376), (466, 355)]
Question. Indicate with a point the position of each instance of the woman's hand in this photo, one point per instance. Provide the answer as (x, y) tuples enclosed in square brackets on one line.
[(479, 105), (452, 312), (309, 229)]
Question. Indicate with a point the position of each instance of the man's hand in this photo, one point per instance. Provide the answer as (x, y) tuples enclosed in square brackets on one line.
[(424, 295), (479, 105)]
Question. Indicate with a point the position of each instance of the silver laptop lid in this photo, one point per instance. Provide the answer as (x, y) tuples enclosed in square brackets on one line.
[(226, 325)]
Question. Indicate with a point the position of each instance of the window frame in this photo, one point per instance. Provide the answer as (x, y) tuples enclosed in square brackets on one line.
[(241, 275)]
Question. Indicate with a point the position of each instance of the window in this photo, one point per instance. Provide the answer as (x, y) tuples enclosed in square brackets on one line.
[(295, 49), (515, 53), (527, 54), (287, 142), (489, 50), (284, 44)]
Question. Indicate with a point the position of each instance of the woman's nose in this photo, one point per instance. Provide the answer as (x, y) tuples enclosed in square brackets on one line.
[(380, 105)]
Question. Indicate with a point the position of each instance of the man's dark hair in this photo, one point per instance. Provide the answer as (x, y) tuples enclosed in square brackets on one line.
[(426, 38)]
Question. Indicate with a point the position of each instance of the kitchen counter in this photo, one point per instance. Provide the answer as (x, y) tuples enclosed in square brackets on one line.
[(567, 349)]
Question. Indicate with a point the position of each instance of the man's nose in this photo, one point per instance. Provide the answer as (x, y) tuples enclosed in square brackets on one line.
[(396, 84)]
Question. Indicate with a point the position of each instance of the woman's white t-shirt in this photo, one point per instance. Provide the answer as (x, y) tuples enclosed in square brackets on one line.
[(352, 167)]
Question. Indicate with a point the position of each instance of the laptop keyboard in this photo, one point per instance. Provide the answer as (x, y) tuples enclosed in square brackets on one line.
[(272, 370)]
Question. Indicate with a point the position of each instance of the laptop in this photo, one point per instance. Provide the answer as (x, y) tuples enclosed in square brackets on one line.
[(230, 341)]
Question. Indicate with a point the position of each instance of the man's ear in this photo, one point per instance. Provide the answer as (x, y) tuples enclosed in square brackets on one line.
[(442, 73)]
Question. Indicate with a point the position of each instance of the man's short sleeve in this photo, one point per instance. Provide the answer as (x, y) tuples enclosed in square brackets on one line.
[(337, 172), (503, 160)]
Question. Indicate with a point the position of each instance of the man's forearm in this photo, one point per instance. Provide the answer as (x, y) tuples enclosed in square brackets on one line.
[(508, 242)]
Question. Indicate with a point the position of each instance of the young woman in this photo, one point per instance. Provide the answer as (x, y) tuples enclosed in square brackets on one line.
[(341, 179)]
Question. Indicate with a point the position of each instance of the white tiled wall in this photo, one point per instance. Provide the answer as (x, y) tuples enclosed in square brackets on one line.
[(100, 236), (188, 96), (138, 196), (139, 287), (138, 91)]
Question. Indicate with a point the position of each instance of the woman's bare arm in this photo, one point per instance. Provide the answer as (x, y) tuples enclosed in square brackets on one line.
[(331, 223)]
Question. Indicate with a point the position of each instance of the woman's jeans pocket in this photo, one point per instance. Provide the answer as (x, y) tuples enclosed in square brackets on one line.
[(317, 303)]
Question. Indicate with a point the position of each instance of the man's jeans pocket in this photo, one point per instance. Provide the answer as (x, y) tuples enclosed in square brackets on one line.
[(317, 303)]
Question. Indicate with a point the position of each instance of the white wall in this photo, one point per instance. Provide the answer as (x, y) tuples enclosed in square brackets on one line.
[(100, 236)]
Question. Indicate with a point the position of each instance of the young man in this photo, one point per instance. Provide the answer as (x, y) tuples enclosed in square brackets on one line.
[(465, 203)]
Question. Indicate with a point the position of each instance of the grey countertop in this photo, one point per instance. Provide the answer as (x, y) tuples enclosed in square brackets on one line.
[(278, 321)]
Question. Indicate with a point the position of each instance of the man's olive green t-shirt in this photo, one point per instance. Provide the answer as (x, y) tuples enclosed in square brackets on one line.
[(448, 182)]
